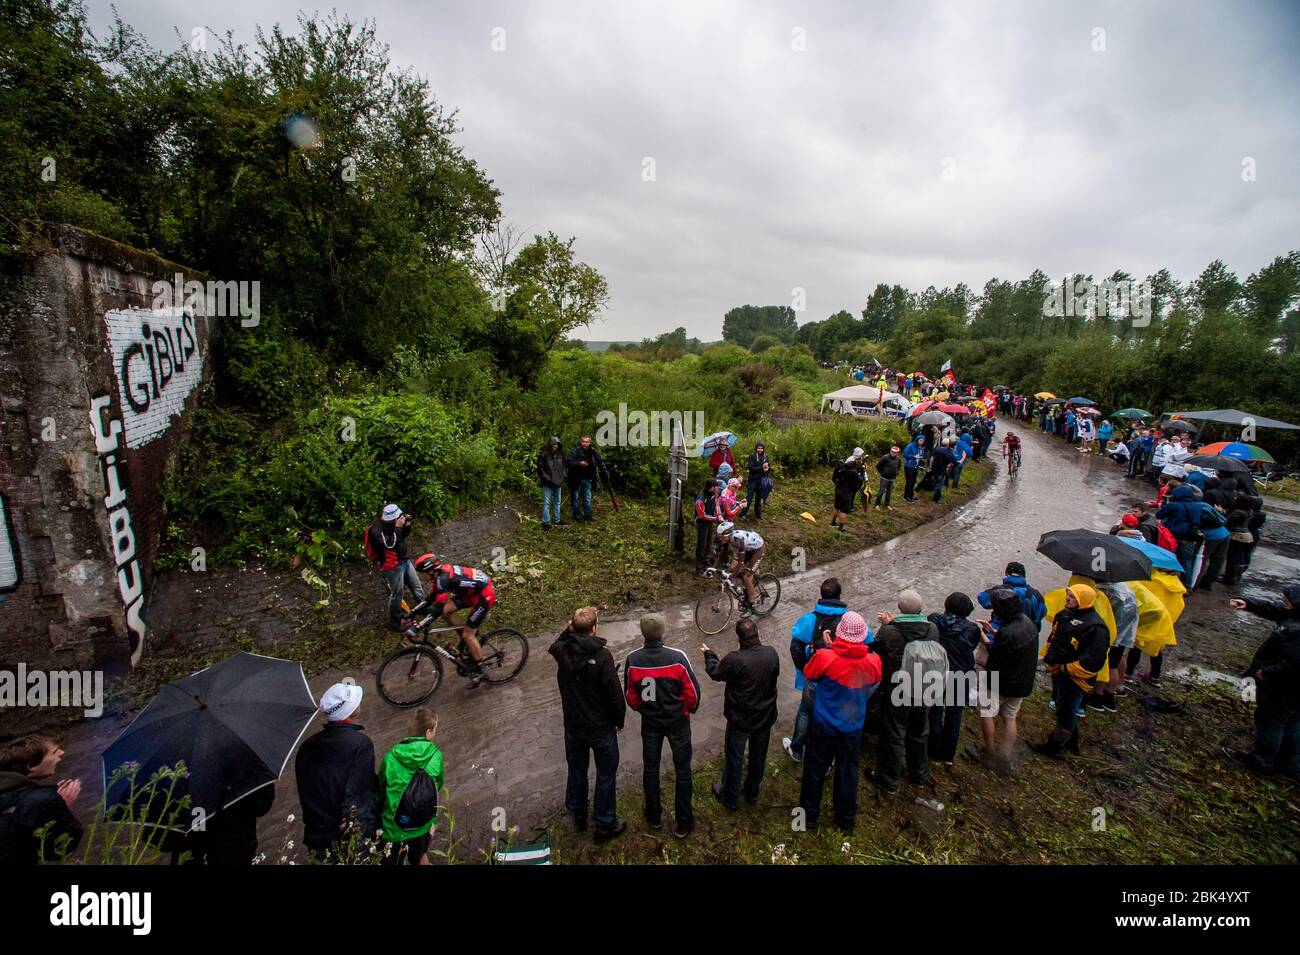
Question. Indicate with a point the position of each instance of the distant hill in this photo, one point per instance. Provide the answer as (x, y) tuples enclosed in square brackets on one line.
[(604, 346)]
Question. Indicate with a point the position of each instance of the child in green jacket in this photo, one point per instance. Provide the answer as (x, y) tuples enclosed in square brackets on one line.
[(410, 776)]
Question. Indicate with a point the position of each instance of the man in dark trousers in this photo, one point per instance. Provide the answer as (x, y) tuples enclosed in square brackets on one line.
[(707, 517), (594, 710), (887, 467), (750, 673), (660, 685), (585, 464), (759, 470), (905, 727), (1275, 669), (336, 779), (28, 805)]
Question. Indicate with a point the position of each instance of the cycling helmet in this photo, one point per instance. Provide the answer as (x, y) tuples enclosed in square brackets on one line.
[(726, 527), (426, 563)]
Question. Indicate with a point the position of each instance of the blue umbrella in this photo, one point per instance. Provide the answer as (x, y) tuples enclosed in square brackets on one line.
[(714, 441), (1160, 558), (1081, 401)]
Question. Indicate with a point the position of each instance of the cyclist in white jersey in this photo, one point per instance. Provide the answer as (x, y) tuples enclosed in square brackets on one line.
[(742, 550)]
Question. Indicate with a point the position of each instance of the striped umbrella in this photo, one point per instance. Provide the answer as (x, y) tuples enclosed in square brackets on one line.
[(1238, 450)]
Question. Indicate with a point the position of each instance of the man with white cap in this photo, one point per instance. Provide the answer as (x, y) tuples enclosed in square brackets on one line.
[(386, 546), (336, 776), (849, 478)]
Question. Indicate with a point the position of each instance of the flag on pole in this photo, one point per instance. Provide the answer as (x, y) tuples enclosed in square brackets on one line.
[(946, 366)]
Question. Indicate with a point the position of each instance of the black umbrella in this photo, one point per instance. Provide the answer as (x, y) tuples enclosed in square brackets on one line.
[(1099, 556), (932, 417), (233, 725), (1178, 426), (1219, 462)]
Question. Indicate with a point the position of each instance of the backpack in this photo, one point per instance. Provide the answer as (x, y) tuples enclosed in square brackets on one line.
[(927, 657), (419, 803), (1211, 517), (367, 545), (1166, 539)]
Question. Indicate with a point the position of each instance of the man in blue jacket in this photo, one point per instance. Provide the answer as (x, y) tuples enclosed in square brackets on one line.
[(961, 452), (1181, 515), (806, 637), (1031, 601), (912, 455)]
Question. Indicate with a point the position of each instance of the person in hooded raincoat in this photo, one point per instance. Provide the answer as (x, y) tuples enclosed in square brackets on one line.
[(1075, 656)]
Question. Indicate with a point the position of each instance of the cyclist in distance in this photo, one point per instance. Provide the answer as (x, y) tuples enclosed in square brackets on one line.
[(455, 587), (741, 551), (1011, 445)]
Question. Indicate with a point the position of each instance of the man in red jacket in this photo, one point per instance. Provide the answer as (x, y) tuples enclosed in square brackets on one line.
[(660, 684)]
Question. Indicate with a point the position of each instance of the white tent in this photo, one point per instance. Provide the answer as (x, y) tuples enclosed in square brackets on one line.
[(861, 399)]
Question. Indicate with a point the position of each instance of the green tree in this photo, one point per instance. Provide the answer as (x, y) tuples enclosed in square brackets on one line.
[(746, 322)]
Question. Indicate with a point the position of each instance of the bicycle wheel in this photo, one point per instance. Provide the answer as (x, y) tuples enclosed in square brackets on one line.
[(504, 654), (713, 610), (409, 677), (767, 594)]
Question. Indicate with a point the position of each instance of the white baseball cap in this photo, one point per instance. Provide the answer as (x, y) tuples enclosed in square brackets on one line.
[(340, 701), (392, 512)]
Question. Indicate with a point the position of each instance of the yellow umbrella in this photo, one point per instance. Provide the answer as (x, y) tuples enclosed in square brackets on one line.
[(1044, 395)]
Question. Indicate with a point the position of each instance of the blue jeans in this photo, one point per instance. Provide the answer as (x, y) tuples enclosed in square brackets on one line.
[(1277, 737), (885, 491), (399, 578), (577, 753), (825, 747), (1186, 554), (580, 500), (802, 718), (551, 497), (754, 498), (734, 744), (652, 747)]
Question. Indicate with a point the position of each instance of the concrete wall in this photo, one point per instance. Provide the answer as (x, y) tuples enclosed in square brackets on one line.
[(95, 385)]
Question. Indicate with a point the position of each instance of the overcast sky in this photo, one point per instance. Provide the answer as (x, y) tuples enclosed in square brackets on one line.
[(829, 146)]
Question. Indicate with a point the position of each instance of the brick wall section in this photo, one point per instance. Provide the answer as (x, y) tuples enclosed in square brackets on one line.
[(55, 358)]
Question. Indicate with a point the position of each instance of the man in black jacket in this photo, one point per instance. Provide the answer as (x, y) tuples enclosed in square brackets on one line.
[(1276, 671), (1011, 664), (749, 705), (336, 779), (887, 467), (660, 684), (905, 727), (759, 469), (36, 820), (584, 465), (594, 711), (552, 470)]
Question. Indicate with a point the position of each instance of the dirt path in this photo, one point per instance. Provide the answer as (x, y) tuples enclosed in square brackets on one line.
[(503, 746)]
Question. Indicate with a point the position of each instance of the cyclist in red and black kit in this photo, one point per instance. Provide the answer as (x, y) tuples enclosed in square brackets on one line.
[(455, 587)]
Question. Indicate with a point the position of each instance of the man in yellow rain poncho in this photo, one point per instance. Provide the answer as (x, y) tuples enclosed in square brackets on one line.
[(1157, 605), (1075, 655)]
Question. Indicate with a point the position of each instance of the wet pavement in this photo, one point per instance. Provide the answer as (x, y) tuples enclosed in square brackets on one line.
[(503, 746)]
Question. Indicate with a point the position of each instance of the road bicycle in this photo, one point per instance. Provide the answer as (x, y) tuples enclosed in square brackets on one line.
[(1013, 464), (412, 674), (715, 606)]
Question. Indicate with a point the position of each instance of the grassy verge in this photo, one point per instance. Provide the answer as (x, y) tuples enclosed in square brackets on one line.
[(1285, 490), (1147, 788), (619, 563)]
